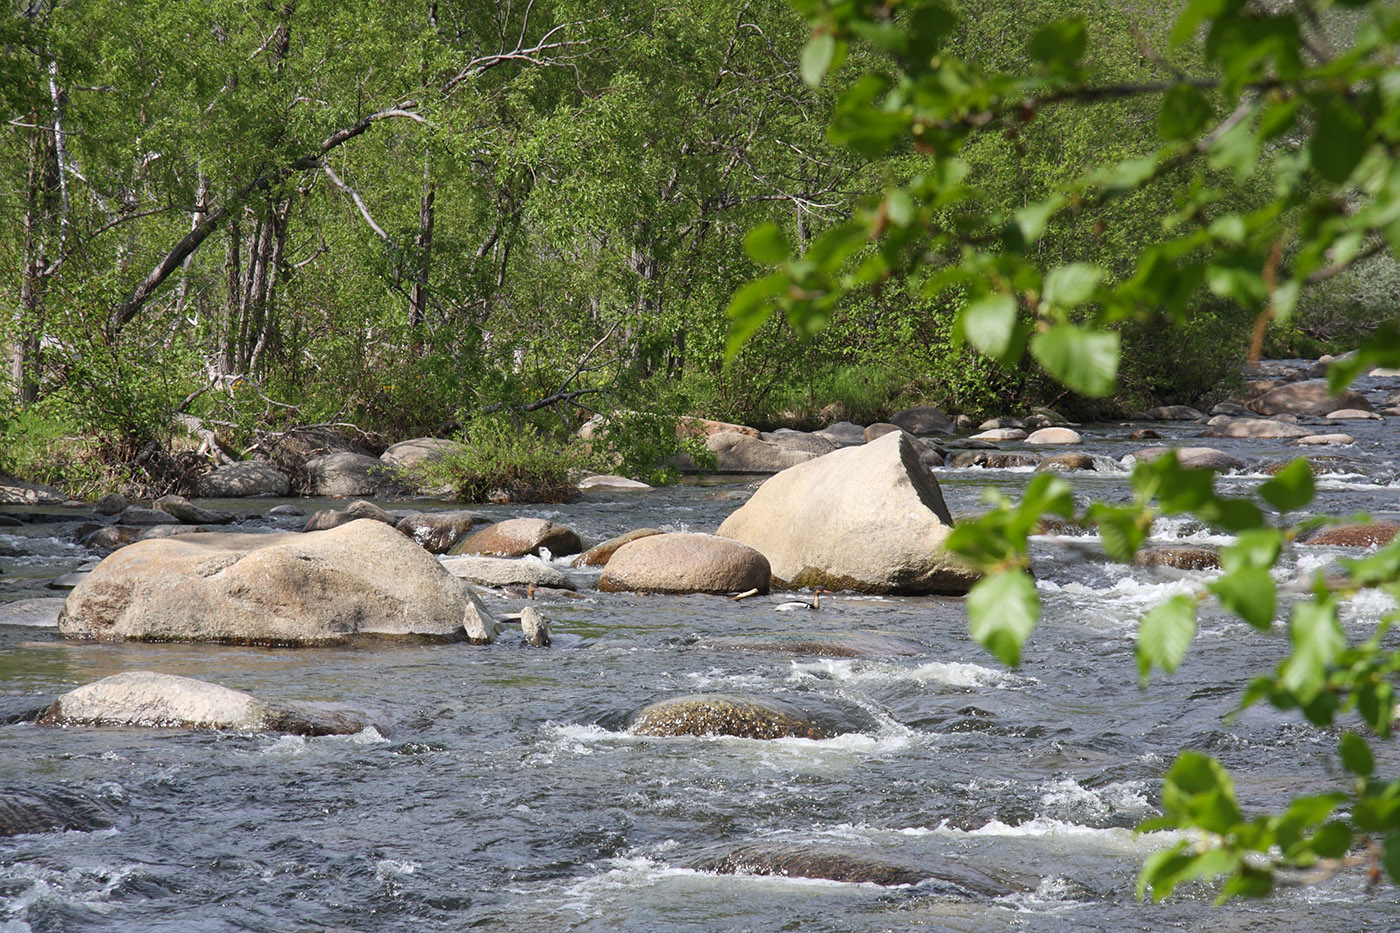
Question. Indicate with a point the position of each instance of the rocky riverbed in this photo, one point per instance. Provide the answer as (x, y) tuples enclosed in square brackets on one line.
[(842, 761)]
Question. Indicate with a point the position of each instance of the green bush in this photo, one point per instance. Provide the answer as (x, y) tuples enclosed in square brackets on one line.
[(502, 461)]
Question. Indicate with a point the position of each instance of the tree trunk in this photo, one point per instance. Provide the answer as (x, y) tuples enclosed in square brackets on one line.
[(41, 190), (423, 246)]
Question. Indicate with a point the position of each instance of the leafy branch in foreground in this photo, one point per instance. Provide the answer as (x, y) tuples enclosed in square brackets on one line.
[(1274, 106)]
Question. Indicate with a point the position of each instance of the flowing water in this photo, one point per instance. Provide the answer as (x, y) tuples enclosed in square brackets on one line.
[(500, 789)]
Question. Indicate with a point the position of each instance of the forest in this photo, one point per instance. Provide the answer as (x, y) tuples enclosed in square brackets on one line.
[(410, 218)]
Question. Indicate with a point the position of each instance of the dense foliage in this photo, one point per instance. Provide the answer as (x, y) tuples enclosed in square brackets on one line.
[(1299, 101), (401, 218)]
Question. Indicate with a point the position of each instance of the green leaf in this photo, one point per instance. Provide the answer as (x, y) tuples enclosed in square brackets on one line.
[(1060, 45), (1164, 634), (1031, 220), (1317, 638), (1071, 285), (767, 245), (1339, 138), (1185, 112), (1084, 360), (749, 308), (1256, 549), (1198, 792), (989, 324), (1249, 593), (1002, 610), (1356, 754), (1291, 488), (816, 58), (899, 207)]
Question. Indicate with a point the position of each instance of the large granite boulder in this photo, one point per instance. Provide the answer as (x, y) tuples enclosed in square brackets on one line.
[(145, 698), (14, 491), (788, 439), (1309, 397), (246, 478), (685, 563), (1255, 428), (516, 537), (743, 453), (746, 717), (420, 450), (843, 433), (324, 587), (923, 419), (350, 474), (868, 518)]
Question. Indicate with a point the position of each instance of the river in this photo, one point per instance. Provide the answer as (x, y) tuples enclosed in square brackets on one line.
[(500, 790)]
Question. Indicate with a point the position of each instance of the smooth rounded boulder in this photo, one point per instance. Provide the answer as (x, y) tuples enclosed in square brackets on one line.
[(350, 474), (923, 419), (685, 563), (516, 537), (506, 571), (600, 554), (290, 588), (1197, 458), (870, 519), (243, 479), (420, 450), (146, 698), (745, 717), (1309, 397), (1055, 436), (743, 453)]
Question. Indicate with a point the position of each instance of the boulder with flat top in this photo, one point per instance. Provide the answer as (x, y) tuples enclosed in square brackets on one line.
[(290, 588)]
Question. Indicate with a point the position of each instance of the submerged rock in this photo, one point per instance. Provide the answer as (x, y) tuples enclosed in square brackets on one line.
[(825, 646), (319, 588), (858, 866), (1182, 558), (685, 563), (46, 810), (146, 698), (1367, 534), (868, 518), (745, 717)]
